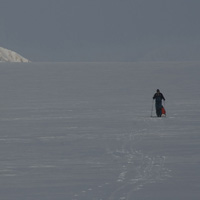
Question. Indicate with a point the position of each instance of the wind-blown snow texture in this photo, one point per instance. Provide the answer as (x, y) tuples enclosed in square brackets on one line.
[(83, 131)]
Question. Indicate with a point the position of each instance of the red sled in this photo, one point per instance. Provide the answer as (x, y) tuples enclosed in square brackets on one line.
[(163, 111)]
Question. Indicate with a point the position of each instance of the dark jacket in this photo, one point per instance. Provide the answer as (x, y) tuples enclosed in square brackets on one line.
[(158, 97)]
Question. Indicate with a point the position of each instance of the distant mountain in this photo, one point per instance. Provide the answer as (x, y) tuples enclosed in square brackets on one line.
[(11, 56)]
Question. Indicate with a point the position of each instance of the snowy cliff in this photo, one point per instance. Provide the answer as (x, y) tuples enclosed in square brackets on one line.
[(10, 56)]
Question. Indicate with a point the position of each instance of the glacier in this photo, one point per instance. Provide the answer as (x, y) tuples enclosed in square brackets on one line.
[(7, 55), (83, 131)]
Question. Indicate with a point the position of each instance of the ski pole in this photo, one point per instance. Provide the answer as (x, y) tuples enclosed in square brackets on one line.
[(152, 109)]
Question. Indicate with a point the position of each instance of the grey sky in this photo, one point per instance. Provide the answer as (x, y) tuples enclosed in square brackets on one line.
[(101, 30)]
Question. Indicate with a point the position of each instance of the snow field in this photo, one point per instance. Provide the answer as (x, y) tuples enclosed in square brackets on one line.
[(83, 131)]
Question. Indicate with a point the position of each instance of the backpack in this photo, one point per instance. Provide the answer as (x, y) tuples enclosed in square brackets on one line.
[(163, 111)]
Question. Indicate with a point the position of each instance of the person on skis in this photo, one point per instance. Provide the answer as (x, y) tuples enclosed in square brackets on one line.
[(158, 97)]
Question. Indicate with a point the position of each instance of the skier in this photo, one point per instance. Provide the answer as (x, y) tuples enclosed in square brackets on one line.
[(158, 96)]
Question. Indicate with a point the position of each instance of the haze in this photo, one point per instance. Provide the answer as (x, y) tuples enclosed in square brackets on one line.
[(101, 30)]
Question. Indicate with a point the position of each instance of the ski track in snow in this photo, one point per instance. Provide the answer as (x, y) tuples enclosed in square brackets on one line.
[(136, 170)]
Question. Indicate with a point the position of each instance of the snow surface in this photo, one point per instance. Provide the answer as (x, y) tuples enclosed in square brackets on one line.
[(10, 56), (83, 131)]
